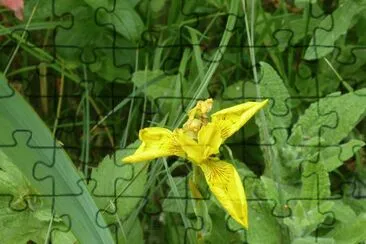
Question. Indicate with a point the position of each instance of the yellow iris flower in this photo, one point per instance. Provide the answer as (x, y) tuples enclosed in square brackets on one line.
[(199, 141)]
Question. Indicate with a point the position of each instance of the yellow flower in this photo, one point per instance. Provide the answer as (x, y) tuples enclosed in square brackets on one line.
[(199, 141)]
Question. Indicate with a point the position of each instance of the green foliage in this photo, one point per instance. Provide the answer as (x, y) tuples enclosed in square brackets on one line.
[(331, 119), (125, 183), (332, 27), (301, 160), (15, 113), (33, 222)]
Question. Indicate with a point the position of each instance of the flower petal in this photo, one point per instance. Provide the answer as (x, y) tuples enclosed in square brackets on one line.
[(230, 120), (225, 184), (192, 149), (15, 5), (156, 142), (209, 137)]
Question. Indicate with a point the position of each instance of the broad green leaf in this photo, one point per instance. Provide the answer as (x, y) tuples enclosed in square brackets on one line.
[(331, 28), (79, 43), (343, 212), (28, 143), (352, 232), (12, 181), (333, 117), (313, 239), (222, 231), (278, 113), (273, 128), (31, 223), (96, 4), (118, 187), (315, 184), (48, 8), (60, 237), (304, 221), (126, 21), (161, 86), (333, 157), (263, 226), (276, 191), (157, 5)]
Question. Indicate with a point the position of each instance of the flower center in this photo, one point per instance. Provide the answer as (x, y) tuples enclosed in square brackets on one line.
[(197, 117)]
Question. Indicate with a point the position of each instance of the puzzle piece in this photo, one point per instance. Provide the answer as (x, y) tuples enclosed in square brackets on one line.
[(98, 71)]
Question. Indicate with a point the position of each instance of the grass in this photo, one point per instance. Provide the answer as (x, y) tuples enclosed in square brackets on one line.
[(185, 53)]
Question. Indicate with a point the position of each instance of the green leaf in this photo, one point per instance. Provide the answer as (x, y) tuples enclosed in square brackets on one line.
[(277, 192), (333, 117), (343, 212), (264, 227), (331, 28), (161, 86), (60, 237), (28, 143), (12, 181), (124, 184), (351, 232), (132, 231), (305, 221), (273, 129), (223, 231), (32, 222), (333, 157), (324, 83), (157, 5), (170, 203), (79, 43), (96, 4), (315, 184), (278, 114), (48, 8), (126, 21), (313, 239)]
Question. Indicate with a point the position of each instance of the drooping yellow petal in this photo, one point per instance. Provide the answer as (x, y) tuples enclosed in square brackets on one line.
[(156, 142), (225, 184), (209, 138), (230, 120)]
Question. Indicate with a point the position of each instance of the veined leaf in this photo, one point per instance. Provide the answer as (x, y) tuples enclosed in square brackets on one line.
[(332, 118), (271, 86), (32, 222), (331, 28), (352, 232), (28, 143), (333, 157), (118, 186)]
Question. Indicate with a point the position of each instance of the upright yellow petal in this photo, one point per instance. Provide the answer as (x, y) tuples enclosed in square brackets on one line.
[(230, 120), (192, 149), (210, 138), (156, 142), (225, 184)]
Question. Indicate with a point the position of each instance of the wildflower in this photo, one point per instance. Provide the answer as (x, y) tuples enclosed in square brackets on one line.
[(15, 5), (199, 141)]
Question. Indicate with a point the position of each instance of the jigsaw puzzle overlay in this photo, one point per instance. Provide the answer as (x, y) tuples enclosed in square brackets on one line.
[(81, 78)]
